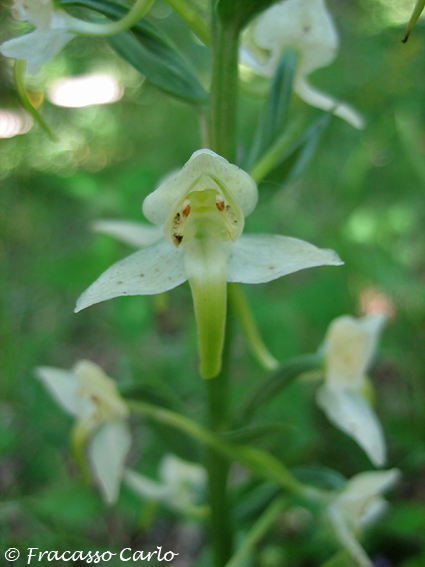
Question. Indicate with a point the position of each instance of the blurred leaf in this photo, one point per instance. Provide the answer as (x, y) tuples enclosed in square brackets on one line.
[(150, 53), (417, 561), (322, 477), (275, 113), (255, 433), (238, 13)]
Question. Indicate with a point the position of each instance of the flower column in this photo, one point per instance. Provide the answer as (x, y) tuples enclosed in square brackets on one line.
[(221, 139)]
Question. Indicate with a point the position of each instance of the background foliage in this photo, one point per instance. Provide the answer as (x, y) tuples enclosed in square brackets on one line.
[(361, 194)]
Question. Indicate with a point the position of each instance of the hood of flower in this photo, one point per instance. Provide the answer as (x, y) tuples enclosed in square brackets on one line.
[(35, 12), (303, 25), (348, 350), (101, 390)]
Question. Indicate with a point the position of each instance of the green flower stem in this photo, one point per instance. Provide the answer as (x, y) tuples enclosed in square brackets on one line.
[(249, 328), (272, 157), (419, 6), (261, 463), (217, 463), (192, 17), (19, 73), (266, 389), (258, 530), (81, 27), (221, 137), (224, 88)]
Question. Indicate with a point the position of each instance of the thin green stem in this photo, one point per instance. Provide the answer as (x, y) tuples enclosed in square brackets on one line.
[(272, 157), (192, 17), (340, 559), (258, 530), (249, 328), (217, 463), (81, 27), (224, 88)]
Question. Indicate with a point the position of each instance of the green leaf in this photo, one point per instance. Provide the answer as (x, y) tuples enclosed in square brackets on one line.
[(239, 12), (321, 477), (149, 52), (254, 433), (276, 109)]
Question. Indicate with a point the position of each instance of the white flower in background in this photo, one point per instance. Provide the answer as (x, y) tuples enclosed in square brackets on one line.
[(181, 486), (358, 505), (51, 33), (202, 210), (307, 27), (348, 350), (89, 395)]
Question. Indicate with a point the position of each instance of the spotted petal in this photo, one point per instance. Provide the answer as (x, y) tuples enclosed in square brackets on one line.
[(107, 453), (155, 269), (351, 413), (259, 258)]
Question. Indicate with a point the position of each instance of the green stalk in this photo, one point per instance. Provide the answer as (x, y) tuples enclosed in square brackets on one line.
[(249, 328), (272, 157), (222, 139), (258, 530), (217, 463)]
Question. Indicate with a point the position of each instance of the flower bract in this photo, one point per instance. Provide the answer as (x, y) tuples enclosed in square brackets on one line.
[(51, 33), (202, 210), (89, 395), (348, 350), (359, 504), (307, 27)]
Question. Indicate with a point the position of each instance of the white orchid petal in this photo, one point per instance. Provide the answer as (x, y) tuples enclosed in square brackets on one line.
[(350, 412), (367, 484), (155, 269), (37, 47), (108, 450), (197, 174), (348, 349), (64, 386), (323, 101), (133, 233), (145, 486), (174, 471), (259, 258), (347, 538)]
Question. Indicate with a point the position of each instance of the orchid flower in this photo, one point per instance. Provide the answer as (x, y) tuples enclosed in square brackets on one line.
[(51, 33), (358, 505), (305, 26), (180, 488), (348, 350), (89, 395), (202, 210)]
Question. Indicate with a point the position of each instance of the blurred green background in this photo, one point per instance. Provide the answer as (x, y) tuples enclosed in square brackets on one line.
[(361, 194)]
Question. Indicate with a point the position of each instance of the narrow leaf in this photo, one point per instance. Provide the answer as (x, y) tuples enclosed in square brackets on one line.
[(149, 52)]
